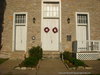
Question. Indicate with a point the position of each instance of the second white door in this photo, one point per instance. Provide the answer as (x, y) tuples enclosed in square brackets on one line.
[(50, 39)]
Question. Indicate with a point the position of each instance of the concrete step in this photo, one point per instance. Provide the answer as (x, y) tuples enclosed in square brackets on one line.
[(18, 55), (5, 54), (51, 55)]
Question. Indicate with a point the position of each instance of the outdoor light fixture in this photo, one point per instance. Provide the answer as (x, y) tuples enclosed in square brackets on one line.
[(68, 20), (33, 38), (34, 20)]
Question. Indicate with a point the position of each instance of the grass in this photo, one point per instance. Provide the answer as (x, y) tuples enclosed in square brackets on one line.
[(2, 60)]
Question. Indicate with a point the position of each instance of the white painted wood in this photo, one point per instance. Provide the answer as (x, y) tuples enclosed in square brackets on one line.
[(51, 0), (88, 24), (91, 46), (20, 38), (82, 36), (82, 30), (50, 41), (55, 15), (88, 56), (19, 33)]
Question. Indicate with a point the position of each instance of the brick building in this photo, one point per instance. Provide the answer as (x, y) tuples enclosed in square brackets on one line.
[(55, 25)]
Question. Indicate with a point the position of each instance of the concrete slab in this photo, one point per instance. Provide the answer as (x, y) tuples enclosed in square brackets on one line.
[(51, 67), (8, 66), (47, 67), (95, 64)]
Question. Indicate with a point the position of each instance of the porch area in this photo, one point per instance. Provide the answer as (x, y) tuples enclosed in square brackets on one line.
[(87, 50)]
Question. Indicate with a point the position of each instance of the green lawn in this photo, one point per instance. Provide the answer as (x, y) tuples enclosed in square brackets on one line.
[(3, 60)]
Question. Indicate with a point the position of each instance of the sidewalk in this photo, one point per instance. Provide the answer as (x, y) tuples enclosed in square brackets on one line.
[(95, 64), (8, 66), (47, 67), (51, 67)]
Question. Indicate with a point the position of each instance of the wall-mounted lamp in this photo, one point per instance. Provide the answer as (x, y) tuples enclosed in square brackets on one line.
[(68, 20), (34, 20), (33, 38)]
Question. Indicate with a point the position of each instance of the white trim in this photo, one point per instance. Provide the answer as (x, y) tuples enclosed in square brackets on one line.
[(88, 23), (13, 40), (89, 27), (13, 32), (59, 19), (88, 56), (60, 35), (50, 0), (41, 20)]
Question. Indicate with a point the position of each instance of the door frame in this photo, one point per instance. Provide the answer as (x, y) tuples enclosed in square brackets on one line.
[(59, 35), (13, 36), (88, 23)]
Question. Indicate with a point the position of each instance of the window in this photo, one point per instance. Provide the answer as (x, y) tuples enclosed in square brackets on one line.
[(82, 19), (51, 9), (20, 19)]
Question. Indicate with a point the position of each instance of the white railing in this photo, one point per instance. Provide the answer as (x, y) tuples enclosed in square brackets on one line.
[(88, 45)]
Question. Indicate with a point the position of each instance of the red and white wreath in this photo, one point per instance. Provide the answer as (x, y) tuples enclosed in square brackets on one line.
[(46, 29), (55, 30)]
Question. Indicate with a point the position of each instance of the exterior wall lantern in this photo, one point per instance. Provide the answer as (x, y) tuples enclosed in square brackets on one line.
[(33, 38), (68, 20), (34, 19)]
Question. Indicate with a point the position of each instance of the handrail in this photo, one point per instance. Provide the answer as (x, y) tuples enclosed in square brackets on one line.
[(88, 45)]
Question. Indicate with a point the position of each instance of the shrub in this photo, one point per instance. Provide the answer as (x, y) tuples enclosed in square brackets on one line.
[(66, 55), (36, 52), (76, 62), (29, 62)]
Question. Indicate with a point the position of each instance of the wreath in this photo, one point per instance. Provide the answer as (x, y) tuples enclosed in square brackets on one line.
[(55, 30), (46, 29)]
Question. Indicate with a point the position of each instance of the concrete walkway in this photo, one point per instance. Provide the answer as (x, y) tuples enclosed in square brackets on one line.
[(8, 66), (51, 67), (96, 66), (47, 67)]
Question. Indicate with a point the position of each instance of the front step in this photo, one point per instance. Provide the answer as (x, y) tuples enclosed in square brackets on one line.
[(18, 55), (5, 54), (51, 54)]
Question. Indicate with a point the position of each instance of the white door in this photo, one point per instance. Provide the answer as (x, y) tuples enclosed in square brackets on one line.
[(20, 38), (82, 37), (82, 34), (20, 31), (50, 39), (82, 31)]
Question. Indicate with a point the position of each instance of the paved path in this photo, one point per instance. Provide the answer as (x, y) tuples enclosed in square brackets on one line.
[(51, 67), (96, 66), (8, 66), (47, 67)]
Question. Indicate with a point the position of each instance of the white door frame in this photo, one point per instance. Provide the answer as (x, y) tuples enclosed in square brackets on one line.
[(13, 40), (88, 24), (60, 42)]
